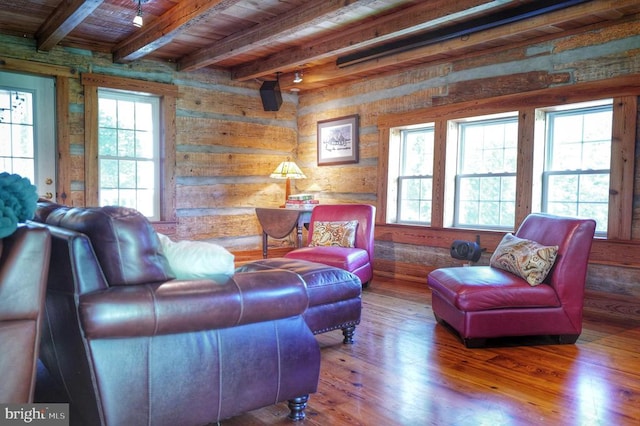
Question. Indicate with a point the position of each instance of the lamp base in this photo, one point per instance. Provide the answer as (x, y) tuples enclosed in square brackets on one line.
[(287, 192)]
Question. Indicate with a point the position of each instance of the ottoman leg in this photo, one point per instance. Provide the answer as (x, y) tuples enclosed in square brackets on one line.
[(297, 406), (348, 332)]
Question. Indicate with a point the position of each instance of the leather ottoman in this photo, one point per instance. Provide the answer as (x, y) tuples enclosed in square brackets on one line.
[(335, 295)]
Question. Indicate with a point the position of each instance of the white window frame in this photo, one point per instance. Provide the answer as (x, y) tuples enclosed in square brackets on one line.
[(423, 178), (43, 174), (459, 175), (549, 114), (154, 102)]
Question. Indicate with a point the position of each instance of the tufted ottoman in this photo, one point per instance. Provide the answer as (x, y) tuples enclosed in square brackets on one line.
[(335, 295)]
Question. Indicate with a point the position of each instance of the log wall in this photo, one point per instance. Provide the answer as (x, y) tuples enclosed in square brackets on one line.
[(598, 53), (226, 145)]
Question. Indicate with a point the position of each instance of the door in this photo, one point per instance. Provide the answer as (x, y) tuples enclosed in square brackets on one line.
[(27, 129)]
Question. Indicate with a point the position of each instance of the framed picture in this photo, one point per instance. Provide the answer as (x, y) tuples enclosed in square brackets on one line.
[(338, 141)]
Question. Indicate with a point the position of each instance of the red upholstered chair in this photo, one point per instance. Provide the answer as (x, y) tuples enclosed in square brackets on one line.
[(358, 259), (482, 302)]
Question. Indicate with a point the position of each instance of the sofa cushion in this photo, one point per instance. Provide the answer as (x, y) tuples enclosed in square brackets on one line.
[(340, 233), (480, 288), (325, 284), (197, 259), (525, 258), (125, 243), (182, 306), (350, 259)]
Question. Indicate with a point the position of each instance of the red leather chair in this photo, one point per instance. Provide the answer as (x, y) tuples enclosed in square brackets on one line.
[(24, 264), (358, 259), (483, 302)]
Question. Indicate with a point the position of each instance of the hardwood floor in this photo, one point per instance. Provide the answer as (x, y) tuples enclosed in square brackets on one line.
[(404, 369)]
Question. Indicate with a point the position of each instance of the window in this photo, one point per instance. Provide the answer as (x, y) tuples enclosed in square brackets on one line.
[(575, 181), (485, 181), (128, 151), (27, 129), (17, 154), (492, 170), (415, 179)]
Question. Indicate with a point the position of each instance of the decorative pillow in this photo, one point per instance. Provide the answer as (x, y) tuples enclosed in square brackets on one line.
[(341, 234), (524, 258), (197, 259)]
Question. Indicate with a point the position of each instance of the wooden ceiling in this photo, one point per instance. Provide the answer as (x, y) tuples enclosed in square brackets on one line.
[(327, 40)]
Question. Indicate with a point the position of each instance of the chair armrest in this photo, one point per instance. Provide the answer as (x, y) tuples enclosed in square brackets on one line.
[(180, 306)]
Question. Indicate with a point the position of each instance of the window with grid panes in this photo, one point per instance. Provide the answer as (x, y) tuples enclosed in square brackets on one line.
[(575, 181), (128, 151), (485, 182), (415, 179)]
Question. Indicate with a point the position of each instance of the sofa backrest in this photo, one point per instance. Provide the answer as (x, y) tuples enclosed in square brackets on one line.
[(574, 238), (125, 244), (363, 213)]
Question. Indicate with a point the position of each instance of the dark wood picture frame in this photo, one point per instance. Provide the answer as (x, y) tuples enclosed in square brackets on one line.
[(338, 140)]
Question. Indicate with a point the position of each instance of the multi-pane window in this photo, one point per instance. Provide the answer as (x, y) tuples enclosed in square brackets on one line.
[(485, 192), (415, 178), (128, 151), (577, 163), (17, 153)]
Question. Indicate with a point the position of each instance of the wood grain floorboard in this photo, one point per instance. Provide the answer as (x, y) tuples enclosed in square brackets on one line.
[(405, 369)]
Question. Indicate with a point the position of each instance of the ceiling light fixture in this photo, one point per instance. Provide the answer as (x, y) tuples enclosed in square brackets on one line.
[(298, 77), (137, 21)]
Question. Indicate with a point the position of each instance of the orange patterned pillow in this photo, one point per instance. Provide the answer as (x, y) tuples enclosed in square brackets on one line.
[(340, 234), (524, 258)]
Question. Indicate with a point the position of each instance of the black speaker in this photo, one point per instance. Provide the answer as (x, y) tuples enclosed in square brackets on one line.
[(271, 96), (466, 250)]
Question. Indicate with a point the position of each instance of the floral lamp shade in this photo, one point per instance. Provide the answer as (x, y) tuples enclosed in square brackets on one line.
[(287, 170)]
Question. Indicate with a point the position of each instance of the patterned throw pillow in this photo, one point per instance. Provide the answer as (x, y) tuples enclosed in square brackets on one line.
[(341, 234), (524, 258)]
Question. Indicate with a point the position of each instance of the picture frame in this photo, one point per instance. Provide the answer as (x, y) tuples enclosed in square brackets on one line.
[(338, 140)]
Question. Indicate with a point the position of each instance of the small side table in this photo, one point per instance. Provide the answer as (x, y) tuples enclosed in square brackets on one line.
[(279, 222)]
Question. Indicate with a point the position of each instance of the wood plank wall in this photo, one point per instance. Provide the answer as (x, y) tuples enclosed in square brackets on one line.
[(556, 61), (226, 145)]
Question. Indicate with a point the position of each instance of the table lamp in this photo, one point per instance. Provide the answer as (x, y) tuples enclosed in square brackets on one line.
[(287, 170)]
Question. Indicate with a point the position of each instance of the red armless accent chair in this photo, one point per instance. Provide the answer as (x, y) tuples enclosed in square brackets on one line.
[(482, 302), (358, 259)]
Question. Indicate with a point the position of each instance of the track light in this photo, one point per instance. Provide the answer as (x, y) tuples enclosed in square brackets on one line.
[(298, 77), (137, 21)]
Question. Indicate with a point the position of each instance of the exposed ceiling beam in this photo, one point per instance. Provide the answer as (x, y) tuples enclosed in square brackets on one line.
[(167, 27), (330, 72), (67, 16), (464, 29), (420, 17), (309, 14)]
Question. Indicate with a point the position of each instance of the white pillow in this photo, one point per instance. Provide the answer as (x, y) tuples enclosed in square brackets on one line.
[(197, 259)]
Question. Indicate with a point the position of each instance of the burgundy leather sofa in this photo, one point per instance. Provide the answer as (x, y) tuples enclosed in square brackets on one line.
[(130, 345), (482, 302), (24, 263), (358, 259)]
